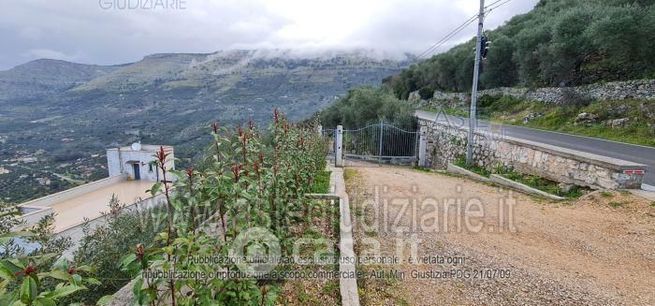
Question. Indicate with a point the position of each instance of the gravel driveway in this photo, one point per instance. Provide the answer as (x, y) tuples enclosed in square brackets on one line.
[(459, 242)]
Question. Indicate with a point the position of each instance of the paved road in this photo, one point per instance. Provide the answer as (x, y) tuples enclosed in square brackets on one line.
[(635, 153)]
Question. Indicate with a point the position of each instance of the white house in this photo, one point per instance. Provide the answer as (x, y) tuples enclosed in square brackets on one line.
[(132, 172), (138, 161)]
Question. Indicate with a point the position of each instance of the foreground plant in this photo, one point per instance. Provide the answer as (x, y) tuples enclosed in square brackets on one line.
[(36, 278), (247, 181), (24, 282)]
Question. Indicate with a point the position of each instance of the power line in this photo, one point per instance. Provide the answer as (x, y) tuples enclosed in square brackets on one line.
[(497, 6), (494, 5), (488, 6), (448, 36)]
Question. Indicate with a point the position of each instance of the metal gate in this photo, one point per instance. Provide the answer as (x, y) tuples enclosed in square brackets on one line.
[(330, 138), (380, 142)]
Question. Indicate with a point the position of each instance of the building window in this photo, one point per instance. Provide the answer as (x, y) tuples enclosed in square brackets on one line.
[(150, 167)]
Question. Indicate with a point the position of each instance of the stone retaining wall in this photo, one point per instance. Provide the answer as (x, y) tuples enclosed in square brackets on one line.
[(636, 89), (446, 143)]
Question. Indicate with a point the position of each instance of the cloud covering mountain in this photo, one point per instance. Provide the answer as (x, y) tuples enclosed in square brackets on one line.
[(109, 32)]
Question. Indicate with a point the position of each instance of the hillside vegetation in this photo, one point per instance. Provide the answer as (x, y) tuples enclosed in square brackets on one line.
[(366, 105), (631, 121), (559, 43)]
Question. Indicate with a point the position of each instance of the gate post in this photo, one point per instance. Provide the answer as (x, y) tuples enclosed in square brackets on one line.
[(422, 147), (381, 137), (338, 148)]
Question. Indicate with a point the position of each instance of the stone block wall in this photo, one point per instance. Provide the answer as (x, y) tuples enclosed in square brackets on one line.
[(447, 143), (636, 89)]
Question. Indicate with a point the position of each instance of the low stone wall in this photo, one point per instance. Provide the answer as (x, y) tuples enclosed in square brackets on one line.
[(636, 89), (446, 143)]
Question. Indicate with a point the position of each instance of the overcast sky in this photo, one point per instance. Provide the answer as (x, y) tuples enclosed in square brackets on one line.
[(105, 32)]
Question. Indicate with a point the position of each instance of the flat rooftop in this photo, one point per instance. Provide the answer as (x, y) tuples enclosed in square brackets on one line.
[(92, 204), (144, 148)]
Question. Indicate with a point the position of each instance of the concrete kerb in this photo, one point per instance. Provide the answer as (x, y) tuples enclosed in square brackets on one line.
[(646, 194), (453, 169), (347, 285), (503, 181)]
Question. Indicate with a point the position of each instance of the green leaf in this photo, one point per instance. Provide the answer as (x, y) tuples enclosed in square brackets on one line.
[(13, 264), (77, 279), (7, 298), (84, 268), (61, 264), (155, 188), (57, 274), (127, 260), (93, 281), (63, 291), (28, 290), (138, 284), (45, 302), (6, 274), (105, 300)]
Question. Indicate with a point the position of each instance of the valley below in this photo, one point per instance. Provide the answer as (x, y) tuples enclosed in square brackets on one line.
[(57, 118)]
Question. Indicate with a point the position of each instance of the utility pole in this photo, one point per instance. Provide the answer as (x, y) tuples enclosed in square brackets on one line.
[(474, 92)]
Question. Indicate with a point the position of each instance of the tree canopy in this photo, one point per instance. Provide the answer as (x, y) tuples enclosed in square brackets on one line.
[(365, 105), (558, 43)]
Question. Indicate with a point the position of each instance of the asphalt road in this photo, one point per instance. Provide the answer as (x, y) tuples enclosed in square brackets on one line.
[(634, 153)]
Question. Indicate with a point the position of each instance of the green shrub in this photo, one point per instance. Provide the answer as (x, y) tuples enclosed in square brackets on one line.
[(461, 162), (104, 246), (251, 185), (321, 182), (426, 93), (366, 105)]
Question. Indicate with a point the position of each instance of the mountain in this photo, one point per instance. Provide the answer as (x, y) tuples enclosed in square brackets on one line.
[(64, 114), (45, 76), (558, 43)]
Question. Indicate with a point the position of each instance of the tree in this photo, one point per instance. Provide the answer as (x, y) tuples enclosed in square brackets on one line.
[(8, 217), (568, 50), (367, 105), (499, 68)]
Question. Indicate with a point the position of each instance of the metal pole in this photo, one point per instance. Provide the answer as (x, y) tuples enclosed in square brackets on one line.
[(338, 149), (381, 134), (474, 92), (422, 147)]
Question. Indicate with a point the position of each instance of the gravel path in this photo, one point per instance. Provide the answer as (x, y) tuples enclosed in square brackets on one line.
[(506, 248)]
